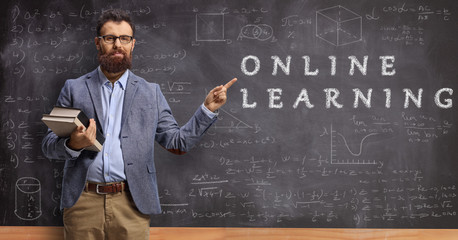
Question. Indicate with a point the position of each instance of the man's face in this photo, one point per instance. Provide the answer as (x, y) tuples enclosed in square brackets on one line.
[(115, 57)]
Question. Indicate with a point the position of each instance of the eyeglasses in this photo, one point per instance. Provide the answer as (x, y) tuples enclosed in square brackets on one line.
[(124, 39)]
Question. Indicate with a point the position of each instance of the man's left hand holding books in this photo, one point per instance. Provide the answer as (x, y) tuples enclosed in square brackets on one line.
[(81, 138)]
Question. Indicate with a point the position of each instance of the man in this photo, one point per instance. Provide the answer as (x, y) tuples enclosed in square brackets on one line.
[(110, 194)]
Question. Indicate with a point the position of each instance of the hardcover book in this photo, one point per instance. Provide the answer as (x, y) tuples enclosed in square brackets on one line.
[(63, 120)]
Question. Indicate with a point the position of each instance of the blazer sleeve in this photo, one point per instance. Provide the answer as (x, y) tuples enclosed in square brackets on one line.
[(179, 139), (53, 147)]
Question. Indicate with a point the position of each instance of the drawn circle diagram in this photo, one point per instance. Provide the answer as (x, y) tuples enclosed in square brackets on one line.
[(261, 32)]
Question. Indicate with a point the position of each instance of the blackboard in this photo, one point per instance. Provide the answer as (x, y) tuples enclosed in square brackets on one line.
[(344, 114)]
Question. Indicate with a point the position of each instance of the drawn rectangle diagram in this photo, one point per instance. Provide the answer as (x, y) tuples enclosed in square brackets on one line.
[(210, 27)]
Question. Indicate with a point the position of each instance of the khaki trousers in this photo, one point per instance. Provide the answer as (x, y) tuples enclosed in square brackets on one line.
[(105, 217)]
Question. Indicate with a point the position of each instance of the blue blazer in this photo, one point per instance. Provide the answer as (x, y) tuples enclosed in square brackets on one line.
[(146, 117)]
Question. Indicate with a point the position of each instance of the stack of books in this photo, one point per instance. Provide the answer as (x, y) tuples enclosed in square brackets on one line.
[(63, 121)]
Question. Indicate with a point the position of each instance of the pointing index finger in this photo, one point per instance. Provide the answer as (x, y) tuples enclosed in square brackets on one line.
[(229, 84)]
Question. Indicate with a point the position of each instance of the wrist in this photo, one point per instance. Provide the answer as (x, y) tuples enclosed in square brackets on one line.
[(209, 108), (73, 146)]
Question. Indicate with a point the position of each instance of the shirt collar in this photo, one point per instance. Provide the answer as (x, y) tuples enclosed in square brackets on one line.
[(122, 80)]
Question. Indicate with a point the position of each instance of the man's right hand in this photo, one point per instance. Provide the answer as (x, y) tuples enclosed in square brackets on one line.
[(81, 138)]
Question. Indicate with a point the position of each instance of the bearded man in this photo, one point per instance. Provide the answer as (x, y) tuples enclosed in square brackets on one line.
[(111, 194)]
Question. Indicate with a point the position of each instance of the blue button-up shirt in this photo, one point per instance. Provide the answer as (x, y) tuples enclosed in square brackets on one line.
[(108, 165)]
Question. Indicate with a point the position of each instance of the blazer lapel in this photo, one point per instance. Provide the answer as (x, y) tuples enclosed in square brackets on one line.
[(131, 89), (92, 82)]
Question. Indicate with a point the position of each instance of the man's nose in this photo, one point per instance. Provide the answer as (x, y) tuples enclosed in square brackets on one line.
[(117, 43)]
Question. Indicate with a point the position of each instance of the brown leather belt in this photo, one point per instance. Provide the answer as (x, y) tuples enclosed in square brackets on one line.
[(107, 188)]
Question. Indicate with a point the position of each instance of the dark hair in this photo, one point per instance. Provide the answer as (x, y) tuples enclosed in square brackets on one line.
[(115, 15)]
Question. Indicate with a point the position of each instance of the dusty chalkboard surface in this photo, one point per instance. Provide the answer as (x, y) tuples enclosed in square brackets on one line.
[(344, 114)]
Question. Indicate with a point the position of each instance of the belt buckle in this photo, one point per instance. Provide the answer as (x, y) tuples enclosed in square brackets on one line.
[(97, 189)]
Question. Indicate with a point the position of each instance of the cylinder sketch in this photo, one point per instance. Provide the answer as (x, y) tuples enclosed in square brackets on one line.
[(28, 198)]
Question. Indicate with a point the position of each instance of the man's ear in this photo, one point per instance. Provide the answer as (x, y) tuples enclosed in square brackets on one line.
[(97, 43), (133, 45)]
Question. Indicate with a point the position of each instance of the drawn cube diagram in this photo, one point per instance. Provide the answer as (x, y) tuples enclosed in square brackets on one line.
[(338, 25), (210, 27)]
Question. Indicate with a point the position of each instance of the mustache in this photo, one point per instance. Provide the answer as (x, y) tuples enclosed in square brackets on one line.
[(107, 53), (118, 51)]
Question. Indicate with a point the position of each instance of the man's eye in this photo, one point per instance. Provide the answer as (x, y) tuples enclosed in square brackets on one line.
[(109, 38), (124, 38)]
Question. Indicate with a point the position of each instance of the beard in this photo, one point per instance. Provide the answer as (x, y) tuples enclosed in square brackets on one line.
[(114, 64)]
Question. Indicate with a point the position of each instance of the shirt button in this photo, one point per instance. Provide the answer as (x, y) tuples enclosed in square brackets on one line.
[(108, 134)]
